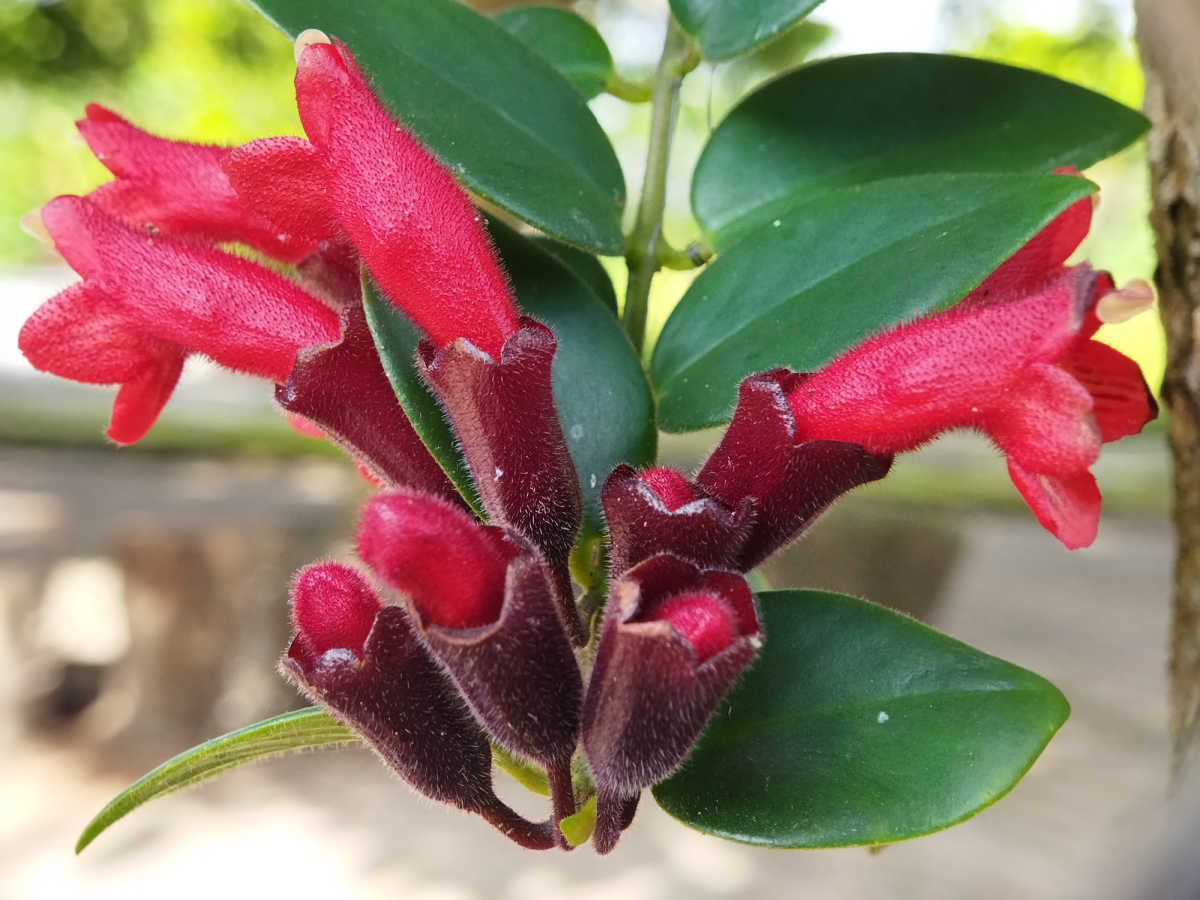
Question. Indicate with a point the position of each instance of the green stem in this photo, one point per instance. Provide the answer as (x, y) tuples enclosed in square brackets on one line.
[(642, 248), (627, 89)]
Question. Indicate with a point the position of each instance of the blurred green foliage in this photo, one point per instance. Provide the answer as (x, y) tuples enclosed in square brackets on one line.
[(211, 70)]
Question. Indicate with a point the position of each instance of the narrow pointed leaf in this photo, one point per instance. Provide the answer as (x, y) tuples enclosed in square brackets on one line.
[(826, 274), (303, 728), (859, 725), (859, 118), (565, 40), (493, 110), (727, 28)]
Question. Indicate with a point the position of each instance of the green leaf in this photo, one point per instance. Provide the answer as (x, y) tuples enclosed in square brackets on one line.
[(588, 269), (727, 28), (396, 339), (565, 40), (600, 388), (497, 113), (859, 118), (309, 727), (826, 274), (859, 725)]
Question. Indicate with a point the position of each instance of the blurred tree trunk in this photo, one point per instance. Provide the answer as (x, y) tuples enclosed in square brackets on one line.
[(1169, 38)]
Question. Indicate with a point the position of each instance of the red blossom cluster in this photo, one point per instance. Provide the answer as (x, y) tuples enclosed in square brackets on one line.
[(480, 641)]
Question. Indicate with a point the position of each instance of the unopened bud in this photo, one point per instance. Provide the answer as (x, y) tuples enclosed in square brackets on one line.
[(333, 607), (451, 567)]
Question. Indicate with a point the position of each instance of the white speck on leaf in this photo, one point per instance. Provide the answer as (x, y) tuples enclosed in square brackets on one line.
[(882, 717), (576, 432), (776, 223), (498, 475)]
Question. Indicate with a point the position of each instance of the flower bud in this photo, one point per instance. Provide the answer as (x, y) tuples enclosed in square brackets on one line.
[(485, 607), (362, 662), (451, 567), (674, 639), (656, 512)]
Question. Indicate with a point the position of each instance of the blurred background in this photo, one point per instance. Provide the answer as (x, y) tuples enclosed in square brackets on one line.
[(142, 590)]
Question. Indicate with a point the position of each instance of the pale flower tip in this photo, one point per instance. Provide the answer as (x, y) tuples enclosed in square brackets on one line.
[(307, 38), (1117, 306), (32, 225)]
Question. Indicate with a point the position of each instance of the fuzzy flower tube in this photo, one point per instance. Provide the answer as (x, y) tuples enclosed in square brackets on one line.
[(1015, 360)]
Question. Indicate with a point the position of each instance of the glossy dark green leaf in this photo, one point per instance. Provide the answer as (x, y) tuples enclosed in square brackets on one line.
[(823, 275), (859, 725), (600, 387), (589, 269), (858, 118), (497, 113), (396, 339), (301, 729), (726, 28), (565, 40)]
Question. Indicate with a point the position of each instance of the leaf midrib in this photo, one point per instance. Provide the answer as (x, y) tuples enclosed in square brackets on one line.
[(770, 725)]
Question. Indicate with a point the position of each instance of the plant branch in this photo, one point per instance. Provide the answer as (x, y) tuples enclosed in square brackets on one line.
[(627, 89), (642, 248)]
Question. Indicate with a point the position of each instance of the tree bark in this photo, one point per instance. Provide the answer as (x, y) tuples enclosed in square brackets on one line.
[(1169, 39)]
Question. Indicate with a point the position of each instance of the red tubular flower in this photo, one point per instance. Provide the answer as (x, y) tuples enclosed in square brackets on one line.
[(1017, 363), (674, 639), (484, 606), (146, 302), (363, 662), (176, 187), (415, 228)]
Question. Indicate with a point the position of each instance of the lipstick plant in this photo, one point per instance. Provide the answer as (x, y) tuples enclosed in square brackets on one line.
[(884, 243)]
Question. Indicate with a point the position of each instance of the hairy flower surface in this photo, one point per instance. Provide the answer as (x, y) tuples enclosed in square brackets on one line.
[(1015, 360), (177, 187), (415, 228), (147, 301)]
